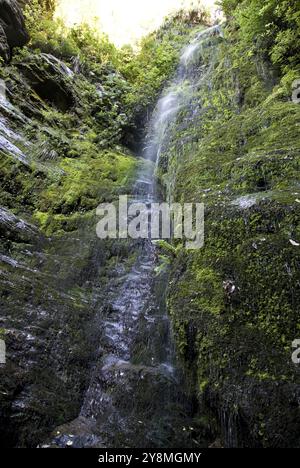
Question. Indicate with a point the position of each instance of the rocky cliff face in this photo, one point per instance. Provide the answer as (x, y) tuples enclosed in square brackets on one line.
[(235, 148), (234, 145), (12, 28), (59, 158)]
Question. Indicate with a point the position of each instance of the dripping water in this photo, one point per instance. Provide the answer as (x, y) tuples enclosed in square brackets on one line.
[(137, 396)]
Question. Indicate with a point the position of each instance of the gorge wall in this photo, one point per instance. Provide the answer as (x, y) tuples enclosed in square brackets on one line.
[(66, 123), (65, 110), (60, 157), (234, 146)]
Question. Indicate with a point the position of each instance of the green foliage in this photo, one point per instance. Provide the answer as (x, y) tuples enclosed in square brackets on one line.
[(36, 11), (163, 266), (271, 28), (93, 46), (149, 70), (52, 36), (138, 75), (156, 60), (166, 248), (47, 34)]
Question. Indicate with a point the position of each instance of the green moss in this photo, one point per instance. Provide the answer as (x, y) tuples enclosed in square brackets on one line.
[(88, 181), (234, 303), (52, 224), (203, 385)]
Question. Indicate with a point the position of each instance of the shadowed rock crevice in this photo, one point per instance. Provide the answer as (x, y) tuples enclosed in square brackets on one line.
[(12, 28)]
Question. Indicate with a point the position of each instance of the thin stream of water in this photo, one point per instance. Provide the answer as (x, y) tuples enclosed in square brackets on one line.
[(137, 397)]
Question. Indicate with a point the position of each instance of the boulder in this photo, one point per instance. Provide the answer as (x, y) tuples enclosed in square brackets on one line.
[(12, 27)]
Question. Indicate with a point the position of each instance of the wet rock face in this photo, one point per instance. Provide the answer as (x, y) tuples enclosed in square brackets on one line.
[(51, 79), (4, 47), (16, 229), (23, 3), (12, 27), (235, 302), (53, 268), (43, 321)]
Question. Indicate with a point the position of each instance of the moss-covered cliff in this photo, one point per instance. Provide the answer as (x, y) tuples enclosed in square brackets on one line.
[(68, 103), (72, 109), (60, 157), (235, 303)]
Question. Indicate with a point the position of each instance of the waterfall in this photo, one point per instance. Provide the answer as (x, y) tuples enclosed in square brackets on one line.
[(137, 396), (177, 97)]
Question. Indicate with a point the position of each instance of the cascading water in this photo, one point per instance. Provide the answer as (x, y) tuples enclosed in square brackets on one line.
[(136, 396), (179, 96)]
